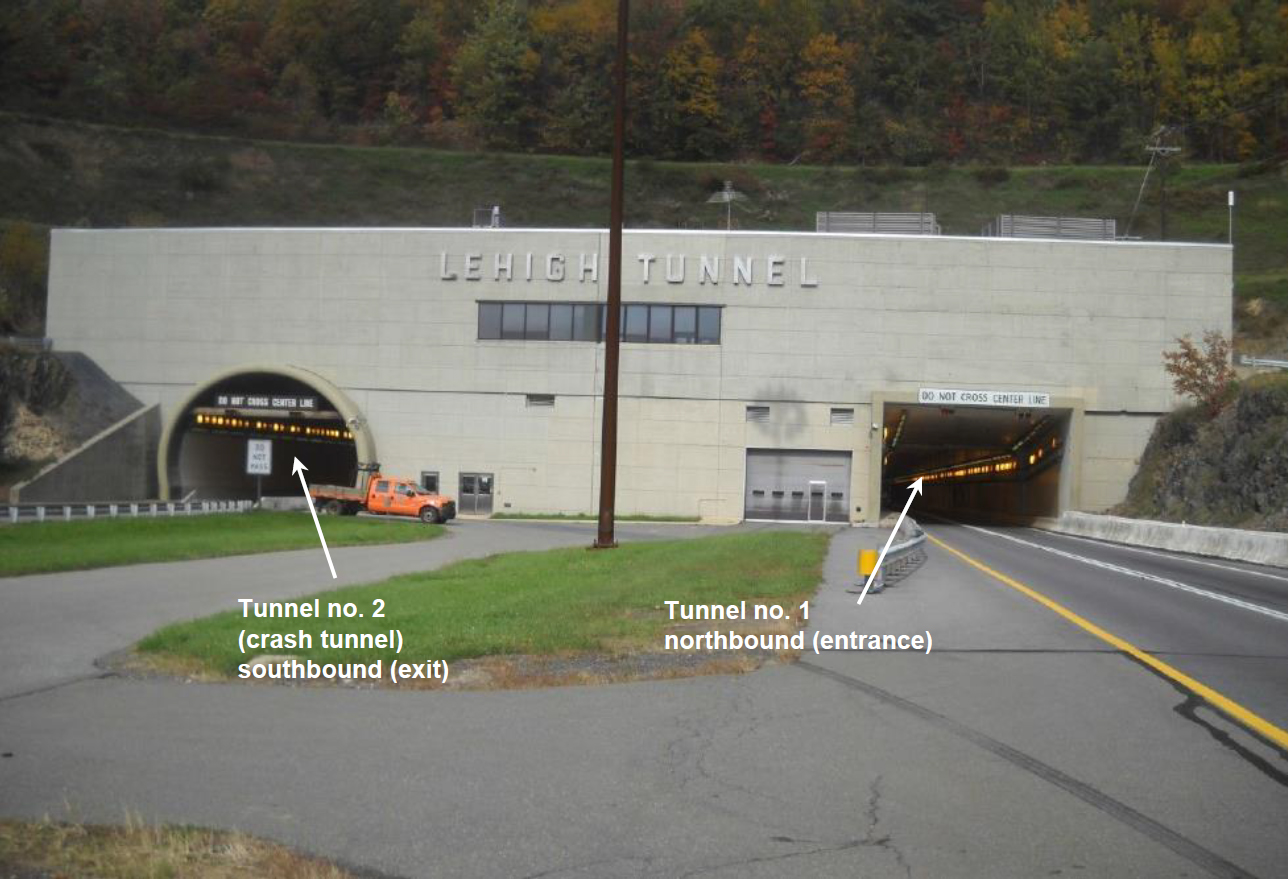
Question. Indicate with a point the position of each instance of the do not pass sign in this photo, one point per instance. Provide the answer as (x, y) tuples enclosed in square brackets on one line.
[(259, 457)]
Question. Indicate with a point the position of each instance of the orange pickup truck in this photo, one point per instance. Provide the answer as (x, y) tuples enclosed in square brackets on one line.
[(387, 495)]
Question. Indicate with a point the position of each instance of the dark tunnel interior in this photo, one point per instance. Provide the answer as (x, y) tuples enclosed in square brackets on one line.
[(978, 463), (208, 452)]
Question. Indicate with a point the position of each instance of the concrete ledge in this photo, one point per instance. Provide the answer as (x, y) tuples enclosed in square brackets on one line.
[(289, 503), (1261, 547)]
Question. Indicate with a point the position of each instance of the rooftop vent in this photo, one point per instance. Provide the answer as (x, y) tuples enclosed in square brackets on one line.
[(876, 223), (1078, 228)]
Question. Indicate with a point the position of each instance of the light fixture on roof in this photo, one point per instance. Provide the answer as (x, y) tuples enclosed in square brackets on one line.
[(727, 197)]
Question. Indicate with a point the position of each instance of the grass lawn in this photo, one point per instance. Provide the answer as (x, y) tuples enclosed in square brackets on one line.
[(138, 851), (558, 602), (591, 517), (40, 547)]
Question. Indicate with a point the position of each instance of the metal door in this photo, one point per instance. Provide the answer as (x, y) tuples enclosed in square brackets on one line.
[(476, 494)]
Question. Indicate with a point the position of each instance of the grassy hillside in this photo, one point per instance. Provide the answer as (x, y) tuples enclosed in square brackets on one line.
[(66, 173)]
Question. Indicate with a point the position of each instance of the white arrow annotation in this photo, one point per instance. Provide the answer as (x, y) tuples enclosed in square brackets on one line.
[(299, 468), (915, 488)]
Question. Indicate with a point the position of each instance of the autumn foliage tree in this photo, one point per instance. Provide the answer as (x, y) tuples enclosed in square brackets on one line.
[(885, 81), (1203, 373)]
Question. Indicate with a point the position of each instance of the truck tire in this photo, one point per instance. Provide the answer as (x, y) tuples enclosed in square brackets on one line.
[(351, 510), (429, 515), (333, 508)]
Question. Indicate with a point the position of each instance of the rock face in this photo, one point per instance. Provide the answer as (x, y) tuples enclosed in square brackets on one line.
[(1230, 470), (50, 403), (32, 384)]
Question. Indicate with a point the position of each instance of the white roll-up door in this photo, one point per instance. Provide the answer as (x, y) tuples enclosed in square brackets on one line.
[(797, 486)]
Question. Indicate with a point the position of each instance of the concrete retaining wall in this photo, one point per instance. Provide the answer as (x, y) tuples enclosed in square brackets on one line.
[(117, 464), (1262, 547)]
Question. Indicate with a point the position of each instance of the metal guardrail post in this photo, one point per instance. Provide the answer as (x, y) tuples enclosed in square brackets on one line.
[(13, 515), (67, 513), (89, 511), (894, 555)]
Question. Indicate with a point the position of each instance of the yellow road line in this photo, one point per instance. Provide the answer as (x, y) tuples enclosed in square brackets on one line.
[(1224, 704)]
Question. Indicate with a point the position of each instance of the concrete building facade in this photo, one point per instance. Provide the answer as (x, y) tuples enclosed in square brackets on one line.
[(789, 364)]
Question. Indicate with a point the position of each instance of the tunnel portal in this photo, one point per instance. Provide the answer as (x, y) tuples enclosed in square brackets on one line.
[(206, 457), (977, 462)]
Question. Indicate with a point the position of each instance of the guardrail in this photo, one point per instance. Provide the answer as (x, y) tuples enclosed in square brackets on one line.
[(1245, 360), (901, 559), (14, 514)]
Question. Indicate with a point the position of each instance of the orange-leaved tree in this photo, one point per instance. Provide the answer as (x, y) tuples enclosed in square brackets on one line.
[(1202, 373)]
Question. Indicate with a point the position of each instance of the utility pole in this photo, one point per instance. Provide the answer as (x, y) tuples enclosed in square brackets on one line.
[(1162, 153), (612, 326)]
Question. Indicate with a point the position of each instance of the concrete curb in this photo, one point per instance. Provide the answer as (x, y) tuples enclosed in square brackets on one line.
[(1261, 547)]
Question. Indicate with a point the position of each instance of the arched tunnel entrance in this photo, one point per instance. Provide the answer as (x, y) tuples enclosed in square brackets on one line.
[(978, 462), (203, 451)]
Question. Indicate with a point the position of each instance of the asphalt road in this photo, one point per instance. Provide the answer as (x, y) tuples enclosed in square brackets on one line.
[(1223, 623), (1021, 746)]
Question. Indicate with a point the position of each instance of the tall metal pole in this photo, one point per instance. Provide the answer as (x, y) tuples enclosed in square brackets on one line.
[(612, 328)]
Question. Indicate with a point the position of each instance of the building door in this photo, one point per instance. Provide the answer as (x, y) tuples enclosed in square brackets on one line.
[(816, 512), (476, 494), (797, 486)]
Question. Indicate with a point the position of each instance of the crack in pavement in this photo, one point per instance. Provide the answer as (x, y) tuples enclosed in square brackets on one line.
[(1186, 848), (886, 843)]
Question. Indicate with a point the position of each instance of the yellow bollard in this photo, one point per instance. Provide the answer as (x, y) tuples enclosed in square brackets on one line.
[(867, 562)]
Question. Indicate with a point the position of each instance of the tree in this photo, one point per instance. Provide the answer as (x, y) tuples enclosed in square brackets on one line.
[(24, 265), (494, 73), (689, 101), (828, 97), (1202, 373)]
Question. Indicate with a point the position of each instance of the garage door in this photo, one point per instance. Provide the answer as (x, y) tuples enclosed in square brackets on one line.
[(797, 486)]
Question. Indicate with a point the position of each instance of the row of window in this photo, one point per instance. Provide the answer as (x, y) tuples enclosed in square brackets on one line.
[(585, 322)]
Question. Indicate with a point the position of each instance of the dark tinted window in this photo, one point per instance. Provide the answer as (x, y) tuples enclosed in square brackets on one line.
[(489, 320), (561, 322), (686, 324), (709, 326), (659, 323), (585, 323), (635, 326), (538, 325), (512, 321)]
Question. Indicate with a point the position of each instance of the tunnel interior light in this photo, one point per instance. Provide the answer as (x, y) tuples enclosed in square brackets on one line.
[(233, 423)]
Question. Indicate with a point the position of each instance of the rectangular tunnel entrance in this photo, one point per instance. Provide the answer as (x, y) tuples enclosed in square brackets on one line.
[(977, 462)]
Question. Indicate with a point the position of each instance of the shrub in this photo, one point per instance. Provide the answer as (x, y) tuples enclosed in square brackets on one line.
[(1203, 373)]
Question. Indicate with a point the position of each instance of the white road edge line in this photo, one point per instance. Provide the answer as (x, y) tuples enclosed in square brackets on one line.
[(1165, 555), (1175, 584)]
